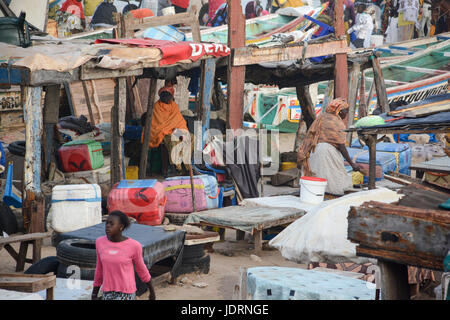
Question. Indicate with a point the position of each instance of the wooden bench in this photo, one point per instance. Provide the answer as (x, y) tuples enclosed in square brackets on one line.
[(28, 283), (24, 239)]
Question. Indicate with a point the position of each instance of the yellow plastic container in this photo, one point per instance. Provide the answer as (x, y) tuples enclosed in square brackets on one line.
[(357, 178), (132, 173), (288, 165)]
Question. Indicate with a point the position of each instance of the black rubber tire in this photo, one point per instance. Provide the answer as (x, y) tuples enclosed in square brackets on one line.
[(85, 273), (17, 148), (177, 218), (193, 252), (8, 221), (78, 252), (44, 266), (200, 264)]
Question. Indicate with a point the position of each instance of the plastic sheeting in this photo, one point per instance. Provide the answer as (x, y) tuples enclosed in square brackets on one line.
[(243, 218), (276, 283), (321, 234)]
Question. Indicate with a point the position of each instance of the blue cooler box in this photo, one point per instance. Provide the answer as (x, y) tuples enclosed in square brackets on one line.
[(401, 151), (385, 160)]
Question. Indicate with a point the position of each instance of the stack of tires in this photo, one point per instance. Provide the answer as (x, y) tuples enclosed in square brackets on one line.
[(78, 259), (194, 259)]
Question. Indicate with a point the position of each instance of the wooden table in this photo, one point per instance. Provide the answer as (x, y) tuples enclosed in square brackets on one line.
[(246, 219), (34, 239), (28, 283)]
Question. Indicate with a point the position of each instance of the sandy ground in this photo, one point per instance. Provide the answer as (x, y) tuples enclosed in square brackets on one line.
[(226, 260)]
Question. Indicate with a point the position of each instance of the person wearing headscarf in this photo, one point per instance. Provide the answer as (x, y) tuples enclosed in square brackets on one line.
[(169, 130), (321, 152), (253, 9)]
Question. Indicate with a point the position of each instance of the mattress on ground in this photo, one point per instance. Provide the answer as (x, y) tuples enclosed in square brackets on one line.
[(245, 218), (279, 283), (401, 151), (157, 244), (385, 160)]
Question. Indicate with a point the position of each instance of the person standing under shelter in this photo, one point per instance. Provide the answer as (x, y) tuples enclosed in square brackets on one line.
[(320, 154), (363, 27)]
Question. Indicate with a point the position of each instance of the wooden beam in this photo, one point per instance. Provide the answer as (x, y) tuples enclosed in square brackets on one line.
[(117, 130), (362, 106), (352, 95), (33, 200), (394, 281), (88, 102), (380, 85), (252, 55), (340, 71), (306, 104), (148, 126), (207, 78), (51, 115), (235, 74)]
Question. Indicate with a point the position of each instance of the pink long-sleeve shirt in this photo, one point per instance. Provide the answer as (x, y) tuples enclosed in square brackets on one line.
[(115, 260)]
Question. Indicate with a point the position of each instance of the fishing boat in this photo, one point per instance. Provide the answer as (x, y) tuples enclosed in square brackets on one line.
[(412, 78)]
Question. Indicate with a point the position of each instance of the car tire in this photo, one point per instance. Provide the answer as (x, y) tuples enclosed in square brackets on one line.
[(195, 265), (66, 271), (8, 221), (44, 266), (177, 218), (193, 252), (17, 148), (78, 252)]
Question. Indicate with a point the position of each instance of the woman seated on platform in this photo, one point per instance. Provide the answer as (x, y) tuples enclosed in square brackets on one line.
[(169, 129), (321, 152)]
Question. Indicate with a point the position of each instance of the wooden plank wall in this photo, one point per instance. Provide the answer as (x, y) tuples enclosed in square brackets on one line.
[(102, 99)]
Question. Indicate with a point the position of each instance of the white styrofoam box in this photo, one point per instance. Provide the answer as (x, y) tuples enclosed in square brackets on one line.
[(75, 206)]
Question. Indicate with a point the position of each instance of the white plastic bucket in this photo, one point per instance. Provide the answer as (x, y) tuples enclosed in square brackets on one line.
[(168, 11), (312, 189)]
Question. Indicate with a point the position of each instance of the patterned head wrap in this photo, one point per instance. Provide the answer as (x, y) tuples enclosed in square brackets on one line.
[(169, 89), (336, 106)]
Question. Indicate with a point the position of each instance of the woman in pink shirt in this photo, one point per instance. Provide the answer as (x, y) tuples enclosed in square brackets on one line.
[(116, 256)]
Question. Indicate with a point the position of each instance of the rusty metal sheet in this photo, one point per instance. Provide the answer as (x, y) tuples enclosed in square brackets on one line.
[(251, 55), (400, 234)]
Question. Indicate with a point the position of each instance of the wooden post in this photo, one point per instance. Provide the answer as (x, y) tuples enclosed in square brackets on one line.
[(117, 130), (257, 236), (352, 95), (329, 94), (362, 107), (380, 86), (306, 104), (235, 75), (208, 73), (33, 200), (340, 71), (371, 142), (88, 102), (148, 125), (369, 97), (191, 176), (51, 114), (394, 281)]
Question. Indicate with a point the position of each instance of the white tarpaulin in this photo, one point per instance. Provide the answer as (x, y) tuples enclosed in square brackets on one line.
[(321, 234)]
